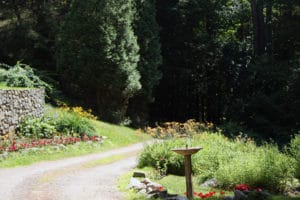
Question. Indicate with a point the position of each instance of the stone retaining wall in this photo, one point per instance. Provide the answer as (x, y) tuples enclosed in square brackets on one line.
[(17, 104)]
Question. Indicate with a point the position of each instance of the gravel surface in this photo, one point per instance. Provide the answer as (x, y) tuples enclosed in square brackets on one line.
[(68, 179)]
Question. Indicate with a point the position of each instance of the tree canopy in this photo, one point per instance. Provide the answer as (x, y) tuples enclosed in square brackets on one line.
[(162, 60)]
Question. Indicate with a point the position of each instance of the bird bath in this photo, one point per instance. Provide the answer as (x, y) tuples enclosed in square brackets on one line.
[(187, 152)]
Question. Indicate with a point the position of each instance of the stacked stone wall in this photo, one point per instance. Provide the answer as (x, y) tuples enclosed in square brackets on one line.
[(16, 104)]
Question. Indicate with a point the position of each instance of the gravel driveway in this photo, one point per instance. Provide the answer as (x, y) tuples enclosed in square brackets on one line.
[(68, 179)]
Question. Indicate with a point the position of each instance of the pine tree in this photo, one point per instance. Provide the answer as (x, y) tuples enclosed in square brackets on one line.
[(97, 55), (147, 31)]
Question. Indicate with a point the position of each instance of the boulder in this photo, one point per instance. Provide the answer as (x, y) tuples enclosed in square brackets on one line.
[(135, 183), (210, 183)]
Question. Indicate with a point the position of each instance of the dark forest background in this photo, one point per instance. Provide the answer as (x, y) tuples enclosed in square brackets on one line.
[(235, 63)]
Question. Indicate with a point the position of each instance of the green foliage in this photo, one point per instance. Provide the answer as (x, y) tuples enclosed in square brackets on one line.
[(263, 167), (56, 122), (28, 29), (71, 123), (97, 55), (233, 129), (37, 128), (21, 75), (210, 72), (160, 156), (68, 122), (213, 59), (117, 136), (147, 32), (294, 150), (231, 162), (270, 105)]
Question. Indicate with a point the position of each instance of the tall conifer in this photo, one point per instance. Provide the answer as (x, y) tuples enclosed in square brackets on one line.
[(97, 55), (147, 31)]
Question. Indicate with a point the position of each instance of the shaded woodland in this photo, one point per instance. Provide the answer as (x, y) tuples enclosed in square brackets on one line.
[(230, 62)]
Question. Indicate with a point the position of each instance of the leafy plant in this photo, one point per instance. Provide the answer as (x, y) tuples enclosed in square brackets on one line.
[(36, 128), (233, 129), (56, 122), (230, 161), (264, 167), (160, 156), (68, 122), (294, 150), (21, 75)]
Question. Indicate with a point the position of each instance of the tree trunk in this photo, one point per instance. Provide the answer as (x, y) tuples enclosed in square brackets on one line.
[(17, 12), (259, 42), (269, 29)]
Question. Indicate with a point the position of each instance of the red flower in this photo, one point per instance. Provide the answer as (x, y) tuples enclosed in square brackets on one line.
[(222, 192), (12, 148), (242, 187), (203, 196), (206, 195)]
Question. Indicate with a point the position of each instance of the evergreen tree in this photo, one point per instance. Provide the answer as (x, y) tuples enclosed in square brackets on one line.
[(147, 31), (97, 55), (192, 77)]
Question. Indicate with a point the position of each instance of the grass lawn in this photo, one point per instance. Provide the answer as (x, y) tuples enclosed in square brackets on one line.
[(175, 185), (117, 136)]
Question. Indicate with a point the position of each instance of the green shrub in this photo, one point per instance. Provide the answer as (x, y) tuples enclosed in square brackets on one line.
[(233, 129), (294, 149), (231, 162), (36, 128), (69, 123), (56, 122), (21, 75), (160, 156), (217, 149), (264, 167)]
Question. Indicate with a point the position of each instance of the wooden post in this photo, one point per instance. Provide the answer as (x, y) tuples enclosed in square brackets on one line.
[(188, 176), (187, 153)]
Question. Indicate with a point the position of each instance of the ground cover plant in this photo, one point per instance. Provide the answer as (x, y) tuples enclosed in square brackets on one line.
[(21, 75), (229, 161)]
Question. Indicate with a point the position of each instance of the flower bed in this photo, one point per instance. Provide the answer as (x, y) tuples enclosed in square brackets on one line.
[(241, 191), (18, 145)]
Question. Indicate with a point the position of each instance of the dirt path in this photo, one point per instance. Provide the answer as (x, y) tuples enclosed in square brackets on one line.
[(76, 178)]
